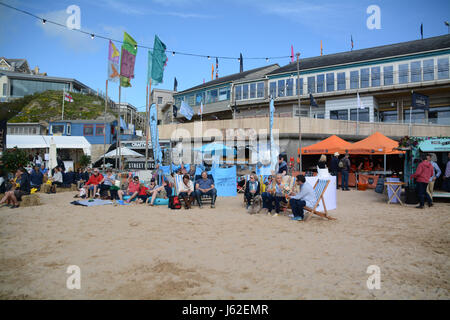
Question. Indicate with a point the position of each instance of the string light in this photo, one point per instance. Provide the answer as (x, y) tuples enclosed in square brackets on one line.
[(142, 46)]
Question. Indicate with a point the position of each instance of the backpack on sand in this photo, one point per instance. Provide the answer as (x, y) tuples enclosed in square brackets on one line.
[(174, 203)]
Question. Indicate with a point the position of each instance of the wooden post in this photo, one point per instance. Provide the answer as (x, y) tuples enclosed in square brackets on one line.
[(104, 128)]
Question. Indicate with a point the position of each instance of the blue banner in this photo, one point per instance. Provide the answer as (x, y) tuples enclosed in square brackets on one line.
[(157, 155), (420, 101), (225, 181)]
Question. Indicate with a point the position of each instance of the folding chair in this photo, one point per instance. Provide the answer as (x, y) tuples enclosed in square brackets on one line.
[(205, 197), (319, 190)]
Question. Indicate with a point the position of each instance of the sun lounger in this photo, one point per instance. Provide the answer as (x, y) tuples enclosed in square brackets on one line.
[(319, 189)]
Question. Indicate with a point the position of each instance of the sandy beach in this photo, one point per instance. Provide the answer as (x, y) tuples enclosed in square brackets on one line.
[(141, 252)]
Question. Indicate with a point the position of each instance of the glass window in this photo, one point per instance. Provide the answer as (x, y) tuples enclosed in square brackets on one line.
[(417, 116), (159, 100), (339, 114), (245, 91), (403, 72), (191, 99), (311, 85), (99, 129), (281, 88), (5, 88), (252, 90), (330, 82), (320, 83), (365, 74), (69, 129), (57, 129), (211, 96), (388, 116), (238, 92), (260, 90), (199, 98), (88, 130), (361, 114), (388, 75), (428, 70), (20, 88), (354, 79), (273, 89), (341, 81), (440, 115), (375, 76), (443, 68), (289, 87), (301, 86), (224, 94), (416, 73)]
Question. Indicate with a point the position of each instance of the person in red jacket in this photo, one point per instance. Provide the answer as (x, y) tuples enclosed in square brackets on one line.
[(422, 175), (93, 183)]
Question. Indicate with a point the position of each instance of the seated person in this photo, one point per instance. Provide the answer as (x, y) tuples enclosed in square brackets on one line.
[(21, 188), (186, 191), (154, 191), (303, 197), (274, 194), (142, 195), (282, 166), (157, 173), (84, 177), (57, 179), (107, 182), (203, 186), (69, 178), (252, 189), (93, 183), (36, 178), (43, 169), (132, 190)]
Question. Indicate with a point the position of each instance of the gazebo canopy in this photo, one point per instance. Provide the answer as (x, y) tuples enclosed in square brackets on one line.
[(377, 143), (330, 145)]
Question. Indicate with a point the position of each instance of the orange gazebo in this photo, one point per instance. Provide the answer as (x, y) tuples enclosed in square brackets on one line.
[(377, 144), (330, 145)]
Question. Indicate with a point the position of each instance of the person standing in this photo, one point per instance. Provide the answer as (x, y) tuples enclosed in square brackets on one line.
[(423, 174), (37, 160), (446, 185), (304, 197), (345, 164), (322, 164), (282, 166), (334, 167), (436, 174)]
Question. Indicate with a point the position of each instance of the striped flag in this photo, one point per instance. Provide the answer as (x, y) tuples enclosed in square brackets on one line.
[(200, 110), (352, 41), (212, 72), (321, 48), (68, 97), (292, 53), (217, 68)]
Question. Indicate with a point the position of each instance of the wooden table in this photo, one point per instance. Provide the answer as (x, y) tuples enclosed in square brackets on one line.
[(395, 191)]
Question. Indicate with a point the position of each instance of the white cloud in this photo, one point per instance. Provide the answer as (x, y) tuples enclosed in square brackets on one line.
[(71, 39)]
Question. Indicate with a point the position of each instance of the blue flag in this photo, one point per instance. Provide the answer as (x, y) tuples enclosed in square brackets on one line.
[(123, 124), (186, 110), (312, 102), (157, 155)]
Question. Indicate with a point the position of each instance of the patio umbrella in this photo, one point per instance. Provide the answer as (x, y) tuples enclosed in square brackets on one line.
[(52, 163), (124, 152), (213, 147)]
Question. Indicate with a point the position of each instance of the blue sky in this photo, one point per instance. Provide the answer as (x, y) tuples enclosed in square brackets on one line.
[(257, 28)]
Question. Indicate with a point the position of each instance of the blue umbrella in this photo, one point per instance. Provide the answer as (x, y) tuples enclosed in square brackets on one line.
[(212, 147)]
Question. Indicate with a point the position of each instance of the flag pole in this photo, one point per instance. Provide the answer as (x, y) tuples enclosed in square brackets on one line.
[(147, 107), (64, 98), (299, 116), (118, 132), (104, 128), (357, 116)]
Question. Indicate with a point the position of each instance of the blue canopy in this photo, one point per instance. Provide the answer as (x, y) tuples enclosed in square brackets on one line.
[(212, 147)]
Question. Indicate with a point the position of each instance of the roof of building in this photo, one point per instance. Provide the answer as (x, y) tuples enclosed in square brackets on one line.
[(229, 78), (390, 50), (82, 121), (16, 63), (20, 75)]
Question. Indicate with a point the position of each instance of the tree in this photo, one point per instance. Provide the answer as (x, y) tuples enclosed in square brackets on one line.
[(12, 159), (84, 160)]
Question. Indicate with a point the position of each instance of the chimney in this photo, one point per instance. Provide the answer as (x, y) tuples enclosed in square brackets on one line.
[(36, 70)]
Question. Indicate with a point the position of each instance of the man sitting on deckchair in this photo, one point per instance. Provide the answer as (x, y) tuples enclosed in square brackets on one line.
[(304, 197), (203, 186)]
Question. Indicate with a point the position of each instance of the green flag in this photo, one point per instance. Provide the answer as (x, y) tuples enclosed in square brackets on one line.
[(159, 60), (127, 60), (149, 69)]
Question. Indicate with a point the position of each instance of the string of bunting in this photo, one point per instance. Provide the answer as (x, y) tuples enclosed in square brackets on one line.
[(173, 52)]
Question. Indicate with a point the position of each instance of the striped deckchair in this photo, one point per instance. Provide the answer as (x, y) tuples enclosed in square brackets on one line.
[(319, 189)]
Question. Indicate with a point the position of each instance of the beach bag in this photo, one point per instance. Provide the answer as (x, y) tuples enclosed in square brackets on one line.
[(82, 193), (174, 203), (341, 163)]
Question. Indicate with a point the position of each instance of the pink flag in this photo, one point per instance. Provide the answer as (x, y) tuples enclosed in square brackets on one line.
[(292, 53)]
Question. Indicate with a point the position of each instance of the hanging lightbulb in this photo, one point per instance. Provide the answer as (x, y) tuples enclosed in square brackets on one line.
[(267, 59), (92, 36), (44, 21), (173, 53), (135, 47), (209, 58)]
